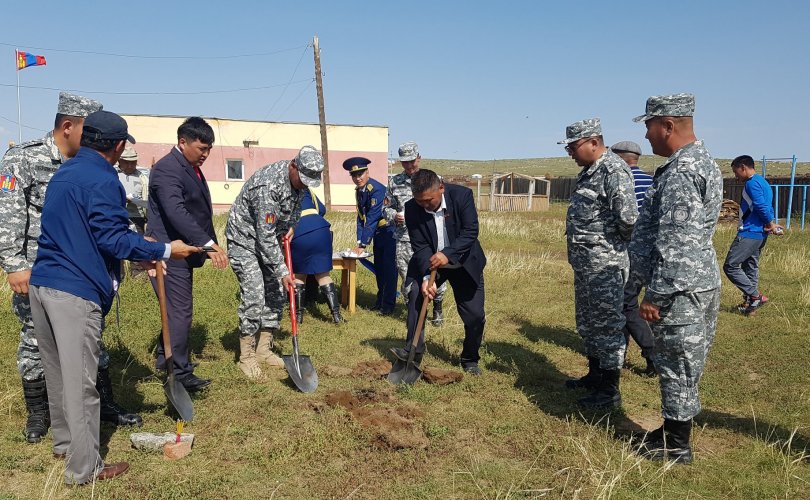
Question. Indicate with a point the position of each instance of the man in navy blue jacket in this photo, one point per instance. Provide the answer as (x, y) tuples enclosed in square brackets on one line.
[(756, 223), (443, 228), (180, 209), (85, 234)]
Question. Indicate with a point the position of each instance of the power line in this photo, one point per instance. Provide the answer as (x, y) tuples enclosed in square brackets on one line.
[(24, 125), (135, 56), (221, 91)]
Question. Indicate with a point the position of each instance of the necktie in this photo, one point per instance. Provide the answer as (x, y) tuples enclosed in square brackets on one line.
[(198, 171)]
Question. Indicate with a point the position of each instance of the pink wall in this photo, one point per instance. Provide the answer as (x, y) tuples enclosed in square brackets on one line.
[(255, 158)]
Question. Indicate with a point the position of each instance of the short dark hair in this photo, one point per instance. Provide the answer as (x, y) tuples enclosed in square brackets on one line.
[(101, 145), (742, 161), (196, 129), (60, 119), (424, 180)]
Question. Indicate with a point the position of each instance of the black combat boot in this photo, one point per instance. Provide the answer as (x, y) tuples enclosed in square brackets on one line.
[(39, 418), (590, 380), (672, 445), (650, 370), (438, 315), (300, 298), (330, 292), (110, 411), (606, 394)]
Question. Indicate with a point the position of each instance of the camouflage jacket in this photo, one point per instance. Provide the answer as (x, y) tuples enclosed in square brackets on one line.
[(265, 209), (399, 193), (672, 249), (601, 215), (25, 173)]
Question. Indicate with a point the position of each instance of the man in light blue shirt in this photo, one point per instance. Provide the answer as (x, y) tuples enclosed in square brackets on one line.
[(756, 223)]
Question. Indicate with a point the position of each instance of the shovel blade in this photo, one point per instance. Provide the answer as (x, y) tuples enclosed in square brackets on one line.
[(179, 398), (301, 372), (404, 372)]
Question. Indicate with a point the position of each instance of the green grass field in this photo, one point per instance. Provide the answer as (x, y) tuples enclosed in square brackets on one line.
[(565, 167), (512, 433)]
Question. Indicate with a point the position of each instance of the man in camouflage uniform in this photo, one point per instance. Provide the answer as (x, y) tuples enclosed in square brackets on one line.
[(25, 171), (598, 227), (267, 209), (673, 255), (399, 192)]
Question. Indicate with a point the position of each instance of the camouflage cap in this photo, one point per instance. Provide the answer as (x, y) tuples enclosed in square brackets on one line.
[(309, 163), (408, 151), (591, 127), (76, 105), (668, 105)]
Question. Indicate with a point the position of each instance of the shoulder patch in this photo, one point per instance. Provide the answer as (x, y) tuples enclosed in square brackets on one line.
[(270, 218), (680, 213), (373, 201), (8, 183)]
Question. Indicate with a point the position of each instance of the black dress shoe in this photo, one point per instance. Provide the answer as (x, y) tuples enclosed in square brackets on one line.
[(386, 312), (402, 354), (472, 369), (193, 383)]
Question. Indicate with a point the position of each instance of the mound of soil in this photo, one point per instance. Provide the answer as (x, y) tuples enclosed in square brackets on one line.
[(439, 376), (391, 427), (372, 369)]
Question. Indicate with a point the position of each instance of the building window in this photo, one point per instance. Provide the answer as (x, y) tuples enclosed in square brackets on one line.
[(234, 170)]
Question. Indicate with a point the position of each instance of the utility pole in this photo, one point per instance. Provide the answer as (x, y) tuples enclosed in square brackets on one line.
[(327, 195)]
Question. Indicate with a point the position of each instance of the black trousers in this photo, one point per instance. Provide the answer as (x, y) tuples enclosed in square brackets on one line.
[(179, 306), (469, 303), (636, 326)]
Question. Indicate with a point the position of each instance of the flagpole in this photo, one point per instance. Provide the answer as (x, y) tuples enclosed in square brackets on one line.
[(19, 116)]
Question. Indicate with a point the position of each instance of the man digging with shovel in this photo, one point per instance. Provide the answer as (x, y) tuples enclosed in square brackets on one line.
[(443, 228), (267, 208)]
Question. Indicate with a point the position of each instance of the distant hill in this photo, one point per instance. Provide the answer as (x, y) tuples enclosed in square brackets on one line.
[(565, 167)]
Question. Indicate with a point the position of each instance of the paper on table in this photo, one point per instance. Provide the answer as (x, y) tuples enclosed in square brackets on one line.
[(351, 255)]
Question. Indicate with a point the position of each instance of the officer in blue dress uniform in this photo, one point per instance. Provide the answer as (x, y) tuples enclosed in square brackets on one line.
[(372, 226), (311, 249)]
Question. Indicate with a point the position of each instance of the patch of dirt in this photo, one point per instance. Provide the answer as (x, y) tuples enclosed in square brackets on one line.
[(335, 371), (394, 427), (439, 376), (372, 369), (391, 429)]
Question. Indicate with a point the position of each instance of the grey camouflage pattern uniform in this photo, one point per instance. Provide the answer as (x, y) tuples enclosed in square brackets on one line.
[(400, 192), (672, 254), (599, 223), (31, 164), (266, 208)]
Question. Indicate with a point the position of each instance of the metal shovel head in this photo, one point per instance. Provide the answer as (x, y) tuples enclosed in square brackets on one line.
[(404, 372), (178, 396), (301, 372)]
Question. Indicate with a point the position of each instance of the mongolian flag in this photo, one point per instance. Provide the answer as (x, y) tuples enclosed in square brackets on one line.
[(24, 59)]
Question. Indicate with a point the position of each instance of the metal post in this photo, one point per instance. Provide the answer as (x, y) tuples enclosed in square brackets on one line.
[(804, 205), (764, 161), (790, 191), (776, 202)]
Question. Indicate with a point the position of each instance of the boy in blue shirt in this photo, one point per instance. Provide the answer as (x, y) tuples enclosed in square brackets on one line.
[(756, 223)]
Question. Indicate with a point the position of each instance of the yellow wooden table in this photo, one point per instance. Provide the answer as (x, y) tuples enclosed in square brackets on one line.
[(348, 281)]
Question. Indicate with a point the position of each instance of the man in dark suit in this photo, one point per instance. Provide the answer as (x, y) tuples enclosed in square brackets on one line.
[(180, 209), (443, 228)]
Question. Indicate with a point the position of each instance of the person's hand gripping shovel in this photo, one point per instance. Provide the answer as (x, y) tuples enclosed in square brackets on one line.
[(407, 371), (175, 392), (300, 368)]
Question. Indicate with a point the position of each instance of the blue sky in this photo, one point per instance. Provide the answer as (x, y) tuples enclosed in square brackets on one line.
[(466, 80)]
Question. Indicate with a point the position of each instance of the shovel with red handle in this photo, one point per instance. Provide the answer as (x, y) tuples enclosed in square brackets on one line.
[(298, 367)]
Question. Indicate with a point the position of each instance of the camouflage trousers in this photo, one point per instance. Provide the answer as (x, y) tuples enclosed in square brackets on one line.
[(404, 253), (29, 363), (261, 296), (598, 303), (683, 338)]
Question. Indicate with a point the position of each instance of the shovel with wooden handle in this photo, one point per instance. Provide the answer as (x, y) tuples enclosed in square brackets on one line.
[(408, 372), (175, 392)]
